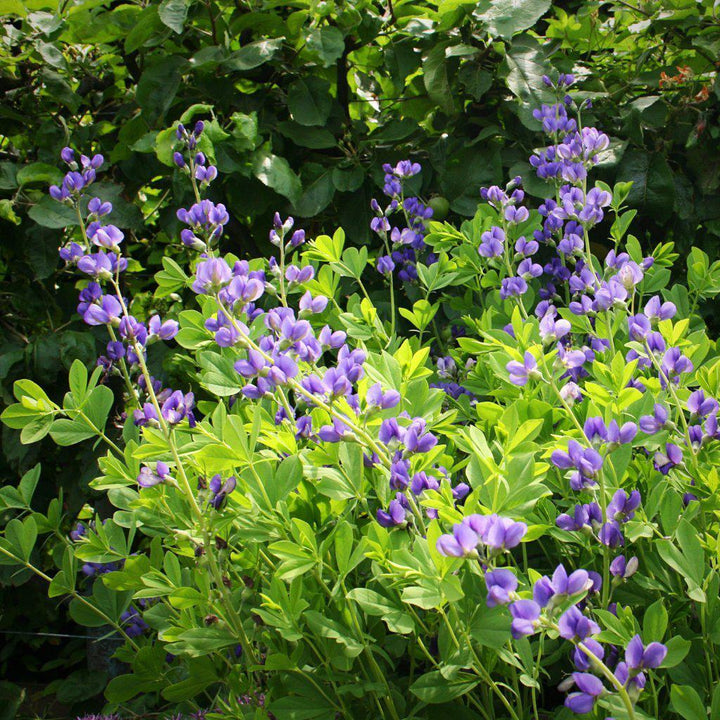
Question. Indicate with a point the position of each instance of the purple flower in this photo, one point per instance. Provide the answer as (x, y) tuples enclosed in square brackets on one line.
[(211, 275), (149, 478), (492, 243), (651, 424), (220, 490), (512, 287), (107, 236), (312, 305), (177, 407), (623, 506), (502, 533), (385, 265), (611, 535), (583, 515), (147, 415), (639, 657), (674, 364), (655, 309), (462, 542), (296, 275), (525, 614), (526, 248), (638, 327), (527, 269), (501, 583), (590, 689), (68, 155), (515, 215), (102, 264), (587, 461), (622, 568), (396, 512), (701, 406), (573, 625), (71, 253), (164, 330), (106, 312), (376, 398), (666, 461), (552, 329), (520, 373), (416, 439), (584, 660), (561, 584)]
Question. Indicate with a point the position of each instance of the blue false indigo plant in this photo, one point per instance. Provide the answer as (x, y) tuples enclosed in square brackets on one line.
[(472, 468)]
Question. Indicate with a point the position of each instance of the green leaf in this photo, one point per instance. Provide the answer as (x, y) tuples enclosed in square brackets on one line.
[(505, 18), (653, 184), (678, 648), (327, 628), (328, 42), (22, 536), (316, 196), (38, 173), (158, 86), (374, 604), (51, 214), (687, 703), (253, 54), (219, 375), (433, 687), (78, 380), (526, 65), (36, 429), (201, 674), (435, 77), (655, 622), (122, 688), (202, 640), (173, 13), (490, 627), (309, 101), (29, 482), (287, 477), (275, 172)]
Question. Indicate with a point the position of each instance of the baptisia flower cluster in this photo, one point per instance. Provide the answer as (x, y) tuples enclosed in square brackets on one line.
[(98, 257), (578, 300), (404, 243), (558, 605), (290, 355)]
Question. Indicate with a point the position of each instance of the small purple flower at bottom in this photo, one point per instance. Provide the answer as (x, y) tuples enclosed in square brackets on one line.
[(590, 688), (573, 625), (146, 416), (375, 397)]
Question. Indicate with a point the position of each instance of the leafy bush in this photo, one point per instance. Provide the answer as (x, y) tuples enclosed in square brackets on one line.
[(478, 477)]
